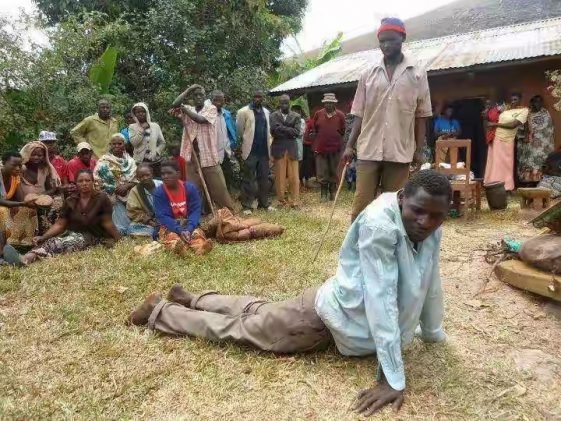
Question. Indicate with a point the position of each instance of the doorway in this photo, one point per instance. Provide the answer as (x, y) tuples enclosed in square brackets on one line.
[(468, 112)]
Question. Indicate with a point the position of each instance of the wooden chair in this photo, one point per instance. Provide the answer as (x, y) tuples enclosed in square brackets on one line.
[(467, 193)]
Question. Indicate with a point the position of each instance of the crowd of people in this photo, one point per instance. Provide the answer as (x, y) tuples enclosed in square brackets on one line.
[(519, 142), (129, 169), (387, 285)]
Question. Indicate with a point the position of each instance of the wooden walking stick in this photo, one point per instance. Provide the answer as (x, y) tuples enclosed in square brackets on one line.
[(195, 158), (332, 211)]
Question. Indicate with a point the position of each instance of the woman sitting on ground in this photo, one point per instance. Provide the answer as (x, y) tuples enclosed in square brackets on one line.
[(140, 204), (10, 194), (552, 175), (85, 220), (38, 177), (178, 211), (115, 173)]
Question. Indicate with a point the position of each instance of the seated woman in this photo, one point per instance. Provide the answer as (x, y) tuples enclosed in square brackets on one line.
[(552, 175), (38, 177), (115, 172), (178, 211), (10, 193), (85, 220), (140, 204)]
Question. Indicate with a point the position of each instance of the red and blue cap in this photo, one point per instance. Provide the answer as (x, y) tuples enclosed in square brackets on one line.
[(392, 24)]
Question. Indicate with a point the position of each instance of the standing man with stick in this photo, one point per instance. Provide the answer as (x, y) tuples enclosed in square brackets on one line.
[(391, 104), (200, 140)]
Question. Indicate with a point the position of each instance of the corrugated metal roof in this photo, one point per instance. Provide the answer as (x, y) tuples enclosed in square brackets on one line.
[(507, 43)]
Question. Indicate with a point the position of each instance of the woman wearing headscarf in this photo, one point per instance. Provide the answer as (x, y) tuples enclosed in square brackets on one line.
[(38, 177), (115, 173), (500, 157), (535, 148), (84, 221), (146, 138), (140, 204)]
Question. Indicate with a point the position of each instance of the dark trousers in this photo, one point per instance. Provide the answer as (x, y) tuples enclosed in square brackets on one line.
[(255, 181), (231, 174), (308, 164), (326, 168)]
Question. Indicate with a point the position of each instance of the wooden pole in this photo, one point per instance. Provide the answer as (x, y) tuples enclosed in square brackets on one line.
[(332, 212), (195, 158)]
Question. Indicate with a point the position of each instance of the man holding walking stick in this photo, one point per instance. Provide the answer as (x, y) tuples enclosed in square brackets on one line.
[(391, 104), (200, 140)]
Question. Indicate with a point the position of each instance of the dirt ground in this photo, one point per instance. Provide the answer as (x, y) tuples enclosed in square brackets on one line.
[(65, 354)]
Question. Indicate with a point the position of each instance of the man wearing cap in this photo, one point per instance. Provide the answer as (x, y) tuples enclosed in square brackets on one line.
[(59, 163), (329, 128), (391, 104), (82, 161), (97, 129)]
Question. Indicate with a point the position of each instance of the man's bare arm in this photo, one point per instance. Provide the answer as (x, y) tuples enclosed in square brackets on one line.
[(420, 134), (197, 118), (355, 133)]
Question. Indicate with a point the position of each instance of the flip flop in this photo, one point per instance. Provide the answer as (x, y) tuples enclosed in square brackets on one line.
[(12, 256)]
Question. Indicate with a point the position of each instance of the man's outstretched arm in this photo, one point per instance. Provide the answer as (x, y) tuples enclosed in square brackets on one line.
[(379, 267)]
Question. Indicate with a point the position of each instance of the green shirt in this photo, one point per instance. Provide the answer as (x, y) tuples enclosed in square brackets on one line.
[(96, 132)]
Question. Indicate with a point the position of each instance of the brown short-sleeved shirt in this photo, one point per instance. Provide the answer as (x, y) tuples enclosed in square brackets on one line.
[(88, 219), (388, 111)]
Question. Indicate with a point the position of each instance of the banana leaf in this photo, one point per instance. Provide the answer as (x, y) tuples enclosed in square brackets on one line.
[(101, 73)]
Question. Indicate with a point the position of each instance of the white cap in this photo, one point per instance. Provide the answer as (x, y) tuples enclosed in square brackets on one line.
[(83, 145)]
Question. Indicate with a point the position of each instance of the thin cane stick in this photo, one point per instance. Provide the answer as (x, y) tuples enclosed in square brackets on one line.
[(203, 182), (332, 211)]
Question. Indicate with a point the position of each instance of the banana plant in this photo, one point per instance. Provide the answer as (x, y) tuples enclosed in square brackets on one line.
[(102, 72)]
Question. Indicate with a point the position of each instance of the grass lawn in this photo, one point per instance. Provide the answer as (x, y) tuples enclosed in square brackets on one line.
[(66, 354)]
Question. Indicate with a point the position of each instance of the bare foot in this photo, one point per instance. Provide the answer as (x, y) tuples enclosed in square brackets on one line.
[(140, 316), (178, 295)]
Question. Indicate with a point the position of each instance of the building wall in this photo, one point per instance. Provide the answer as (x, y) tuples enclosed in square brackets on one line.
[(497, 83)]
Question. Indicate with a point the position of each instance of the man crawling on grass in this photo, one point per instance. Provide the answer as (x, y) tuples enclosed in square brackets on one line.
[(387, 283)]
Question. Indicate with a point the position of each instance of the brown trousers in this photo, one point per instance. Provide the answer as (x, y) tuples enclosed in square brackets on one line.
[(287, 167), (289, 326), (392, 176), (216, 183)]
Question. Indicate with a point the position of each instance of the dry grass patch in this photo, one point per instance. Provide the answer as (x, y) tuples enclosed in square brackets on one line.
[(65, 353)]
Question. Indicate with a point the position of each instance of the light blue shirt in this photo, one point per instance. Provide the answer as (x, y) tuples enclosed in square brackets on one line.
[(382, 289)]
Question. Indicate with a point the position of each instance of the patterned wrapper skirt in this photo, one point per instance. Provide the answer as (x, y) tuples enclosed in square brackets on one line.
[(199, 245), (69, 242)]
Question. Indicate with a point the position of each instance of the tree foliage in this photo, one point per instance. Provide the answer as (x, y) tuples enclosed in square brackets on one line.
[(163, 46), (299, 64)]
